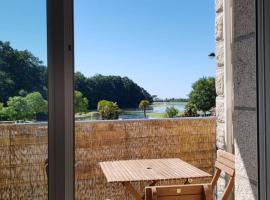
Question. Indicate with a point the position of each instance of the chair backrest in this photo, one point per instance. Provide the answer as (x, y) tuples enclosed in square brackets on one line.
[(225, 162), (179, 192)]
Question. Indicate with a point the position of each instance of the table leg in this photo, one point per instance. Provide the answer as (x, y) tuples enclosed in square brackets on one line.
[(131, 189), (151, 184)]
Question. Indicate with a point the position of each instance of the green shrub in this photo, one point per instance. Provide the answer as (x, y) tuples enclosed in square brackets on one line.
[(171, 112), (108, 110)]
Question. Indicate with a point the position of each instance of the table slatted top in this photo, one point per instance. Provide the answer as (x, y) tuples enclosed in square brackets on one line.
[(150, 169)]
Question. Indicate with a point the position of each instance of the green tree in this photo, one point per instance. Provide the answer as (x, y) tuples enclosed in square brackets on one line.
[(17, 109), (144, 104), (20, 70), (23, 108), (108, 110), (36, 103), (171, 112), (80, 102), (203, 94)]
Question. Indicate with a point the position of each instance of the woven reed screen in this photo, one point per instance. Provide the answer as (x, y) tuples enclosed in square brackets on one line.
[(23, 149)]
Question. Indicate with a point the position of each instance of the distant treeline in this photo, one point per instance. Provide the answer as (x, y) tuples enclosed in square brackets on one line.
[(118, 89), (21, 73), (171, 100)]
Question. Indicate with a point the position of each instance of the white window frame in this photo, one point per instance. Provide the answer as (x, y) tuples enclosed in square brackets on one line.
[(228, 75), (263, 96), (61, 89)]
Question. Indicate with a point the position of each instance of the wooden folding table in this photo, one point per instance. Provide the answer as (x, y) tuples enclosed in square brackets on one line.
[(154, 170)]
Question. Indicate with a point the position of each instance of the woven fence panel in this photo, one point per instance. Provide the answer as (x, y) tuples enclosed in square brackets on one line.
[(23, 150)]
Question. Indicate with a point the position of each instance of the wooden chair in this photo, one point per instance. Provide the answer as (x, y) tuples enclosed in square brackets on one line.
[(225, 162)]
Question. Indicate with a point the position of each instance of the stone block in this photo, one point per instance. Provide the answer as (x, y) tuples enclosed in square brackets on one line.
[(219, 6), (245, 139), (244, 17), (220, 53), (220, 135), (219, 26), (220, 109), (220, 81), (244, 73)]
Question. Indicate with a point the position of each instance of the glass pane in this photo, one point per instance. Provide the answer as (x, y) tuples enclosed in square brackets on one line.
[(23, 100), (135, 63)]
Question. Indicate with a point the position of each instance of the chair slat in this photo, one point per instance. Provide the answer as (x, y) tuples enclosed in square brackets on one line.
[(226, 162), (229, 156), (224, 168)]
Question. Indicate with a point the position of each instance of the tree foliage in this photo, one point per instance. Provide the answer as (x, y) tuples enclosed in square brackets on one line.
[(144, 105), (108, 110), (18, 109), (23, 108), (22, 73), (80, 102), (171, 112), (20, 70), (118, 89), (203, 94), (36, 103)]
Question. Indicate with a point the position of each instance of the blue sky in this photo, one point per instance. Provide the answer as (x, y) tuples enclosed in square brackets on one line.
[(160, 44)]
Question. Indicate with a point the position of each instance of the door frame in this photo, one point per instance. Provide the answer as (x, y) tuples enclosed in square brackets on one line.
[(61, 89), (263, 97)]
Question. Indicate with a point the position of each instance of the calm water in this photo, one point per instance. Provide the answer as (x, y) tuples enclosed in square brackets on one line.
[(160, 107), (157, 107)]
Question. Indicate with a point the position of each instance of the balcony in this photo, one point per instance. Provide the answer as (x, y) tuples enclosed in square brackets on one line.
[(23, 150)]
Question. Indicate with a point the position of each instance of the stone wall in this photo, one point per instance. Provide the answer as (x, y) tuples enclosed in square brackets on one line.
[(220, 112), (244, 94), (220, 76), (23, 150), (245, 116)]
